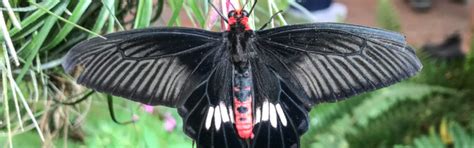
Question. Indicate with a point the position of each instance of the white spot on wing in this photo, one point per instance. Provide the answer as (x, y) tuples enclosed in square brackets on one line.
[(258, 114), (273, 116), (225, 115), (210, 112), (265, 111), (217, 118), (281, 114)]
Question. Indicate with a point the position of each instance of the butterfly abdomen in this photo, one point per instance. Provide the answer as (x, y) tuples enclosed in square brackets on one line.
[(242, 98)]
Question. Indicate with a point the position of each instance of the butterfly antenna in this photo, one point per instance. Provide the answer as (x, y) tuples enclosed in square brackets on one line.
[(215, 8), (253, 7), (83, 98), (270, 20), (246, 2), (231, 4), (112, 113)]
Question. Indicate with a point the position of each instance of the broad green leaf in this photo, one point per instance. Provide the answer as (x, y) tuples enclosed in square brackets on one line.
[(158, 10), (460, 137), (33, 19), (28, 30), (64, 20), (6, 99), (176, 6), (38, 39), (103, 14), (81, 7), (143, 16), (197, 12), (112, 19)]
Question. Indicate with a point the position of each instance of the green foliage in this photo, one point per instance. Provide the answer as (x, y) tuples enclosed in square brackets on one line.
[(386, 15), (39, 39), (457, 137), (143, 16), (99, 131), (198, 12), (42, 32), (178, 5), (80, 8), (47, 30), (470, 55), (403, 115), (148, 131), (382, 100), (383, 112), (399, 115)]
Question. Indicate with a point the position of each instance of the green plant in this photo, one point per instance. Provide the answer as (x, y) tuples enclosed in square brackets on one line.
[(36, 35), (386, 15), (399, 114), (41, 33), (456, 136), (373, 115)]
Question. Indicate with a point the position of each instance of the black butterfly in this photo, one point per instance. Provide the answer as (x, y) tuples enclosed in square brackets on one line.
[(243, 88)]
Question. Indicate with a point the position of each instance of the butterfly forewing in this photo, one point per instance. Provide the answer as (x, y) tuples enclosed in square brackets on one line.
[(333, 61), (157, 66)]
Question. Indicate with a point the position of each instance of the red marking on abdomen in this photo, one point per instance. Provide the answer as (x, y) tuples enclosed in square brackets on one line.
[(243, 121)]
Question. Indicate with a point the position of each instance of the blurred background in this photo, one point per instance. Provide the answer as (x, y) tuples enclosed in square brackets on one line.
[(41, 106)]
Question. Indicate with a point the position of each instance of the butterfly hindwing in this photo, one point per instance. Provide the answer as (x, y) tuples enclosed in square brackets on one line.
[(207, 114), (280, 115)]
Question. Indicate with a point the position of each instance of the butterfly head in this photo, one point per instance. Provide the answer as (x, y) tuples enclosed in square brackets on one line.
[(238, 20)]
